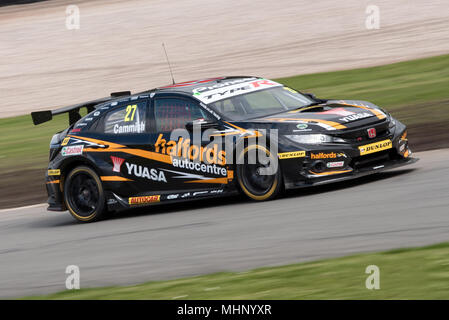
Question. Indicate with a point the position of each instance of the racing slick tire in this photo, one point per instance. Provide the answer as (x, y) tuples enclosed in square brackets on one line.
[(84, 194), (252, 183)]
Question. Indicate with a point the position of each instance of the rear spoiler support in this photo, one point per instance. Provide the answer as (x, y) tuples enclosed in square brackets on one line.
[(73, 110)]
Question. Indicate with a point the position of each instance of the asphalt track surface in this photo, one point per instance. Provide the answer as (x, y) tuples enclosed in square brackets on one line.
[(398, 208)]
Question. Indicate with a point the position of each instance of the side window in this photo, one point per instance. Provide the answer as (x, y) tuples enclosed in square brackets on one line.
[(126, 119), (173, 113)]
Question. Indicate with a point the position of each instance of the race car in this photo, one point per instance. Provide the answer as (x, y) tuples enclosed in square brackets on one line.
[(209, 138)]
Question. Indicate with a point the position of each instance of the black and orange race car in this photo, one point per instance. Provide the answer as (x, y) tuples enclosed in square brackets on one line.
[(209, 138)]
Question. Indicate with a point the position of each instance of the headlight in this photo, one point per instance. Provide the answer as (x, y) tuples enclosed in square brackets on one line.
[(392, 125), (392, 122), (314, 138)]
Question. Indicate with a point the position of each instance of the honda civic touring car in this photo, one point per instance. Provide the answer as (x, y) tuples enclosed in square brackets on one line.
[(209, 138)]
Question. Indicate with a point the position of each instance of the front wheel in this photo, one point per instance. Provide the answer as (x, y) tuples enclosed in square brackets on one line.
[(259, 179), (84, 195)]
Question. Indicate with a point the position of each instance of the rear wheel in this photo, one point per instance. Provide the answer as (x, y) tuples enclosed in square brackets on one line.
[(255, 177), (84, 195)]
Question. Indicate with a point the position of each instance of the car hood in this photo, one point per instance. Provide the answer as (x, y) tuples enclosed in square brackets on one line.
[(329, 116)]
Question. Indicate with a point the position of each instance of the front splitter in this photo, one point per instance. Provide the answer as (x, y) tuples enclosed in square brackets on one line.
[(312, 180)]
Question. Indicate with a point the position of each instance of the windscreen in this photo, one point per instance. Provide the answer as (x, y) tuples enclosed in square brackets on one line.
[(261, 103)]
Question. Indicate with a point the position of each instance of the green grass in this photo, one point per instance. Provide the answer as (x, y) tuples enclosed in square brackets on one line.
[(24, 145), (415, 273), (405, 89), (394, 85)]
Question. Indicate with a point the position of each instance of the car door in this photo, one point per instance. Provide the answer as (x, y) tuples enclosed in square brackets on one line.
[(132, 168), (196, 163)]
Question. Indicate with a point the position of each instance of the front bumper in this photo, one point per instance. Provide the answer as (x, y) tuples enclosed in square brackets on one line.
[(314, 180), (328, 163)]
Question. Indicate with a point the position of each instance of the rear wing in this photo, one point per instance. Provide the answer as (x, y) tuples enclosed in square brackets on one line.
[(73, 110)]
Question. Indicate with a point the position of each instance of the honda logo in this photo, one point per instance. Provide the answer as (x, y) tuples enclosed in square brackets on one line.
[(372, 132)]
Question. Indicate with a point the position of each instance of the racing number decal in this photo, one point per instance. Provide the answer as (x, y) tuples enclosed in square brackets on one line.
[(130, 111)]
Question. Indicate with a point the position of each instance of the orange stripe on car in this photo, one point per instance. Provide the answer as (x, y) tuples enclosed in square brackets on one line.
[(114, 178), (54, 181), (404, 136), (110, 144), (114, 147), (240, 131), (213, 180), (377, 113), (329, 172), (303, 109), (148, 155), (336, 125)]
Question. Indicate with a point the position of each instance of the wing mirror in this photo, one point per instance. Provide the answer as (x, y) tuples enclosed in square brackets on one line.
[(203, 124), (314, 98), (311, 95)]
